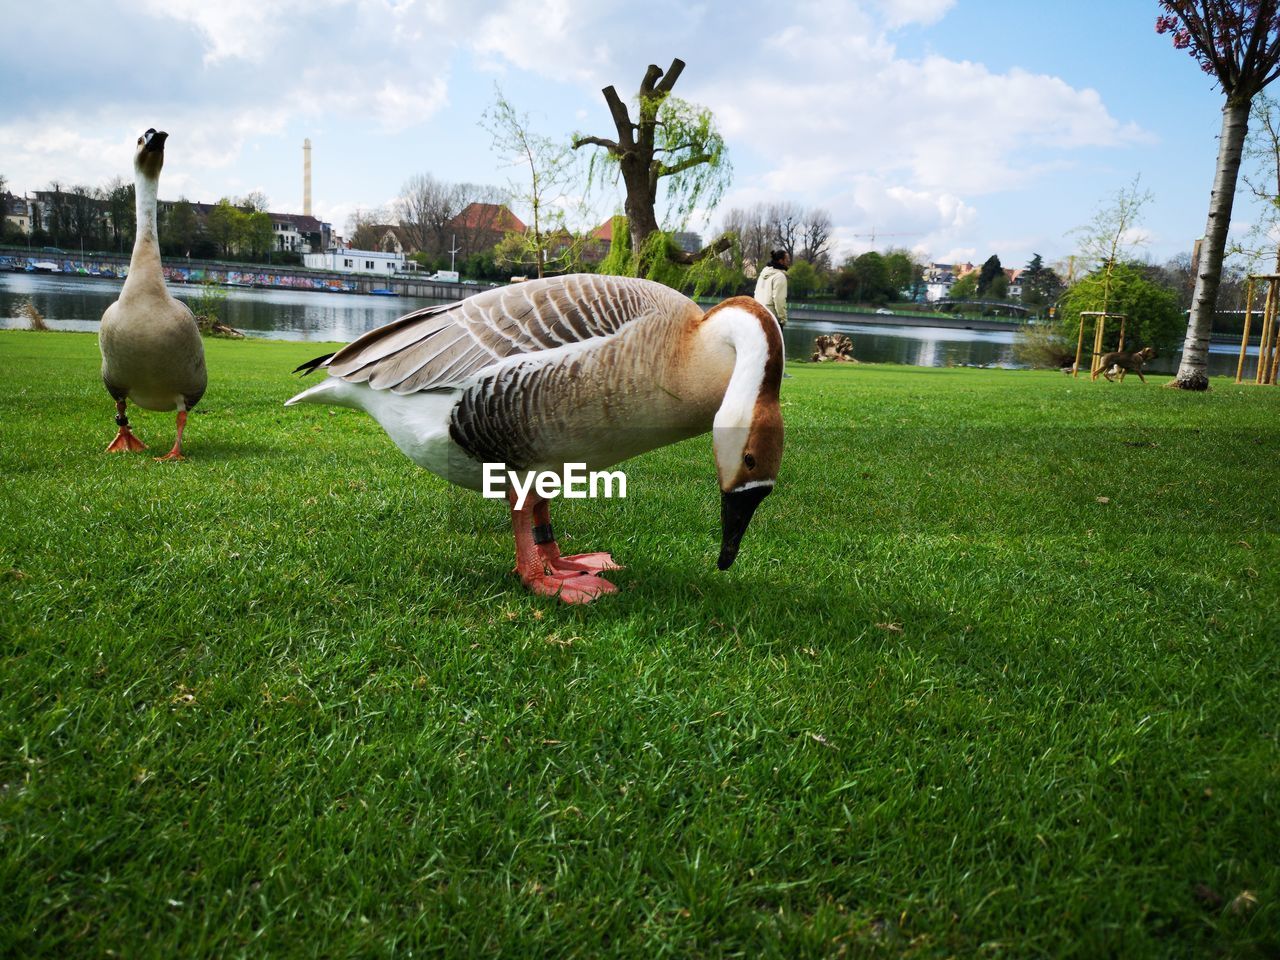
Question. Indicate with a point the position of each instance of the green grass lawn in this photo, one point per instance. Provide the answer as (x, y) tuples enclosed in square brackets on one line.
[(996, 674)]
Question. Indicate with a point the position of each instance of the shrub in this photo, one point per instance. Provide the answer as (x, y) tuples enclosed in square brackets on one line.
[(1041, 347)]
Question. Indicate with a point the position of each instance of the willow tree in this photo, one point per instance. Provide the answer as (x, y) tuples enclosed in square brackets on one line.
[(1237, 42), (670, 143)]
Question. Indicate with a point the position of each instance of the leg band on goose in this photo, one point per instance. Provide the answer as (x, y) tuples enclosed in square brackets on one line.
[(542, 534)]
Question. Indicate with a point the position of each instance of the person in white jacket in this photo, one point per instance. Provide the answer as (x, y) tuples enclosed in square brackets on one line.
[(771, 285)]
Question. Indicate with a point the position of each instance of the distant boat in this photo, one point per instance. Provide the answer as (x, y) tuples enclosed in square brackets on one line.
[(385, 293), (46, 266)]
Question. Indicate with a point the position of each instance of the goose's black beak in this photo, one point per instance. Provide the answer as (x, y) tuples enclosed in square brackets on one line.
[(736, 510), (154, 141)]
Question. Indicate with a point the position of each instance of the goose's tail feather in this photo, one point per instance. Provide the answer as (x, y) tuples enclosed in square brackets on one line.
[(312, 365)]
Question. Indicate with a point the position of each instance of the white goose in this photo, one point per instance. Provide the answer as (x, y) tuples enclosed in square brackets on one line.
[(151, 348), (580, 369)]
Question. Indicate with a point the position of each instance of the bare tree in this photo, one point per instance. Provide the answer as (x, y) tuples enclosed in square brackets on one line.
[(805, 234), (482, 222), (120, 210), (1238, 43), (815, 238), (55, 213), (83, 214), (424, 209), (753, 234), (362, 227), (1262, 152), (4, 208), (785, 219), (255, 201)]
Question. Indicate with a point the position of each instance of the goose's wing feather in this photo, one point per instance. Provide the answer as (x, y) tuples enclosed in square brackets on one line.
[(442, 346)]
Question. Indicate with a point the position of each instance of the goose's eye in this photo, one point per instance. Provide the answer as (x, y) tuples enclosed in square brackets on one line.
[(750, 461)]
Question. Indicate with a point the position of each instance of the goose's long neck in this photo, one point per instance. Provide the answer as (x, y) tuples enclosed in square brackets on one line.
[(145, 263), (757, 366)]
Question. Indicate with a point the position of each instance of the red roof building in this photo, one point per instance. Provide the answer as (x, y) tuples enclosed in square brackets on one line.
[(495, 217)]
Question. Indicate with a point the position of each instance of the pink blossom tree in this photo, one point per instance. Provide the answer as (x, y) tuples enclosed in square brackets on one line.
[(1237, 42)]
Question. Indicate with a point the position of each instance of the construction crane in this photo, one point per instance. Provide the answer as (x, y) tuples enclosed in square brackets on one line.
[(873, 234)]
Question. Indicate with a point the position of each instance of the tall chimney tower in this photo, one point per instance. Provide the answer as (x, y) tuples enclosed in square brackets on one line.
[(306, 177)]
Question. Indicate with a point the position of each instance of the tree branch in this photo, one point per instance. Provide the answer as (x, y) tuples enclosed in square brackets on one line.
[(650, 77), (621, 118), (673, 74), (1202, 37), (1265, 49), (609, 145), (710, 250), (677, 147), (665, 170)]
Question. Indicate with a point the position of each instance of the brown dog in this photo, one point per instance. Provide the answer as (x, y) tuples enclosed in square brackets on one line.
[(1122, 363)]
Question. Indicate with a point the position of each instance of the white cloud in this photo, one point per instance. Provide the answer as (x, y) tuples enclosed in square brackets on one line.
[(899, 13), (904, 145), (398, 106), (233, 29), (936, 123), (547, 41), (77, 149), (37, 153), (818, 101)]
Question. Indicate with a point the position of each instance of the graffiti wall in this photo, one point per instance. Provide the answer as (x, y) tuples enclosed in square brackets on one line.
[(178, 274)]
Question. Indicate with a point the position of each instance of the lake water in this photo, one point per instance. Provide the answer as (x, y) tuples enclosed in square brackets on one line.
[(75, 303)]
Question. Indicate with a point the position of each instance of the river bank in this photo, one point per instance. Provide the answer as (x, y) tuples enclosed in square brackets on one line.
[(75, 302)]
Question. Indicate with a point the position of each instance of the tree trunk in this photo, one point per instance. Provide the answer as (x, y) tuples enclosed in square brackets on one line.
[(642, 220), (1193, 371)]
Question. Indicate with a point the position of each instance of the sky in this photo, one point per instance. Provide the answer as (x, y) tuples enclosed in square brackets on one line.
[(956, 129)]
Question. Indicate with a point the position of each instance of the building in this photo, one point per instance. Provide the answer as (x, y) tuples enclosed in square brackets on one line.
[(1015, 283), (16, 212), (68, 213), (488, 216), (938, 278), (392, 238), (687, 241), (480, 226), (300, 233), (598, 242), (293, 232), (341, 260)]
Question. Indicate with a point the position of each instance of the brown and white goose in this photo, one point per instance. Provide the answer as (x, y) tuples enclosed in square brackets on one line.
[(571, 370), (151, 348)]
